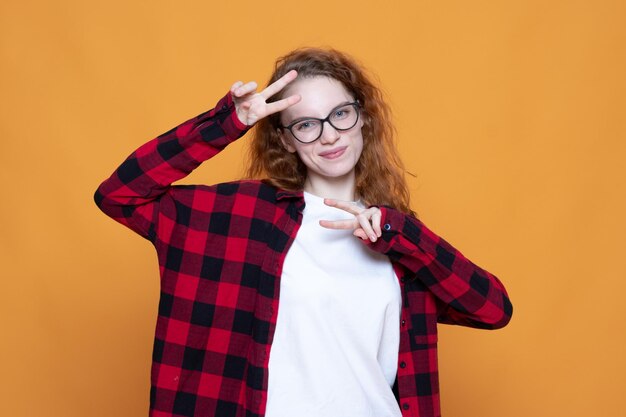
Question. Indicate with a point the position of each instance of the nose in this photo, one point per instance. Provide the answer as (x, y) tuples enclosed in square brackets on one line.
[(329, 133)]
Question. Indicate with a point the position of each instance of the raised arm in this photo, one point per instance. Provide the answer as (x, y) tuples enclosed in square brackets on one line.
[(131, 195)]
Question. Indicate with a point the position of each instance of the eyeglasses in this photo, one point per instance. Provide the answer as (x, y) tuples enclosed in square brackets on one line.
[(343, 117)]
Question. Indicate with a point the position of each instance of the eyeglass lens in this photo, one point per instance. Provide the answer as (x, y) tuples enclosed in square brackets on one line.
[(341, 118)]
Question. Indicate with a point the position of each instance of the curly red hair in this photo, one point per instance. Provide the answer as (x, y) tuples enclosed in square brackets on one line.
[(379, 172)]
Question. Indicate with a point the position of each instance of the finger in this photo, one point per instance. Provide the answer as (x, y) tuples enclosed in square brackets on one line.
[(280, 105), (279, 84), (236, 86), (344, 205), (376, 218), (373, 216), (339, 224), (360, 234), (364, 222), (245, 89)]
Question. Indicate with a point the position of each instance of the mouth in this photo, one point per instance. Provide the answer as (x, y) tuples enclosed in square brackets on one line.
[(333, 153)]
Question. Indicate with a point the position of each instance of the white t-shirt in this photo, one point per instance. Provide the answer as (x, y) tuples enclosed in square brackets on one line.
[(335, 349)]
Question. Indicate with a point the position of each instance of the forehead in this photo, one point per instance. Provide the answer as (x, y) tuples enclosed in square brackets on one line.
[(319, 96)]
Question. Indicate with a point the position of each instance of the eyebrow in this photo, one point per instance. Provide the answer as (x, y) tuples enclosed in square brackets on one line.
[(299, 119)]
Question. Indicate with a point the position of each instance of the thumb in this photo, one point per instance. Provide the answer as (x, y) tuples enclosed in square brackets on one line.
[(360, 233)]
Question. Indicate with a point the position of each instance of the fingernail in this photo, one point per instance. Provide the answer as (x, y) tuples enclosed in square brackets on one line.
[(373, 238)]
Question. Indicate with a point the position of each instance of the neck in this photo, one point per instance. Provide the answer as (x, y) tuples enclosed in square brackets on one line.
[(342, 188)]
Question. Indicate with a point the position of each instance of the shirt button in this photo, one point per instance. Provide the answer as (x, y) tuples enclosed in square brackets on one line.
[(403, 279), (224, 107), (402, 364), (387, 227), (403, 322), (405, 406)]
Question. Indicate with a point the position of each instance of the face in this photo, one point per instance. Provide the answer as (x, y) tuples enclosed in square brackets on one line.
[(335, 154)]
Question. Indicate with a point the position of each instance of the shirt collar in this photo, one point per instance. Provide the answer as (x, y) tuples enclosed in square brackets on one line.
[(282, 194)]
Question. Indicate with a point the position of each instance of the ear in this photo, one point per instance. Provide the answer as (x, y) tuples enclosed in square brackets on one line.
[(286, 140)]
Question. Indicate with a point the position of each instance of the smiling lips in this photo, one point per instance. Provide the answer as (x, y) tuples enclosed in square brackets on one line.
[(334, 153)]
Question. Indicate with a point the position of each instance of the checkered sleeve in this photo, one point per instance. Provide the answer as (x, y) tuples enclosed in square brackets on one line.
[(470, 296), (132, 193)]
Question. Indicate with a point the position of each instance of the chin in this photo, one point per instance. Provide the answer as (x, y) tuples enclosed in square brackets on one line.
[(337, 174)]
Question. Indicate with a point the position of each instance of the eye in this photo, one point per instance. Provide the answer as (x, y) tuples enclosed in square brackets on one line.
[(342, 113), (306, 125)]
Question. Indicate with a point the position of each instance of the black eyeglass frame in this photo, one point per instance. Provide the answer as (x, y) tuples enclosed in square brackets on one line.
[(355, 104)]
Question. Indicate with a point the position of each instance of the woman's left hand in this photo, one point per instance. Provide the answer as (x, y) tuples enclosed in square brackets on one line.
[(366, 222)]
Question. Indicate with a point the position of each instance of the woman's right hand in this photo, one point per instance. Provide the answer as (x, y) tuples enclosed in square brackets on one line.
[(252, 106)]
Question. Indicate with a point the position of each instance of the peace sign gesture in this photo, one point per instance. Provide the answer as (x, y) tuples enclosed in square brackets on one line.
[(252, 106), (366, 222)]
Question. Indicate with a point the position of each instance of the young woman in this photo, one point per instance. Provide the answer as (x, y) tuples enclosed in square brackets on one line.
[(312, 292)]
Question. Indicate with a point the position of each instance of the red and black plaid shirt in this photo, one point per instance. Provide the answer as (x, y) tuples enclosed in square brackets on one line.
[(221, 250)]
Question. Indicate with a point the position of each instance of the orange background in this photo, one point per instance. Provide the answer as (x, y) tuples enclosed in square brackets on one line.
[(511, 115)]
